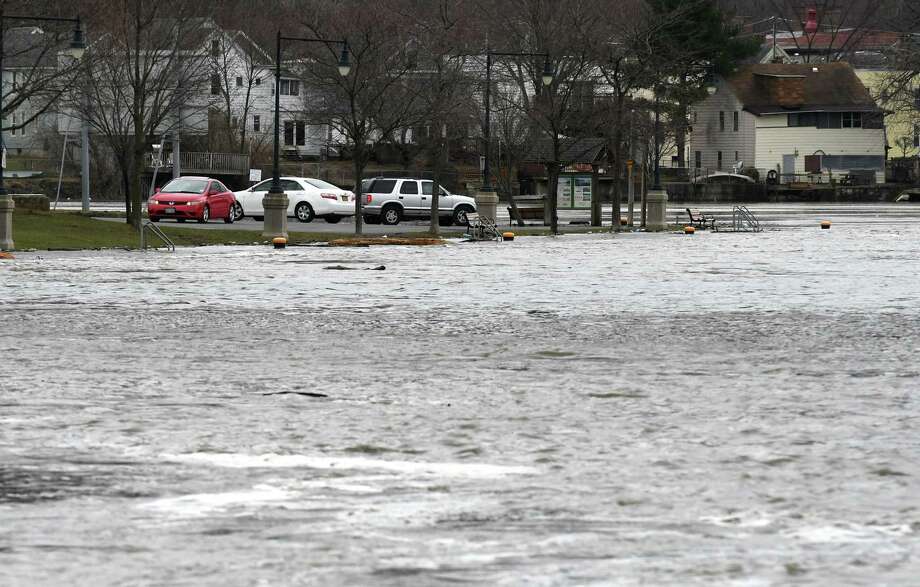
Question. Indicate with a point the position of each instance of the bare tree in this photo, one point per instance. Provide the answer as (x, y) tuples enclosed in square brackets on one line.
[(564, 31), (238, 66), (443, 36), (147, 77), (374, 99), (37, 72)]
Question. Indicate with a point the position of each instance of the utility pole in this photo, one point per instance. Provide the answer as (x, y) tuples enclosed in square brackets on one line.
[(84, 156), (177, 160)]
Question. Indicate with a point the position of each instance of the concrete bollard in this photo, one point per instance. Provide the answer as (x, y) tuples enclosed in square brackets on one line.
[(6, 222), (487, 205), (657, 210)]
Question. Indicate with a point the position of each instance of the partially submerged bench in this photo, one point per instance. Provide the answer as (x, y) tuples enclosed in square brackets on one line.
[(700, 220), (529, 208)]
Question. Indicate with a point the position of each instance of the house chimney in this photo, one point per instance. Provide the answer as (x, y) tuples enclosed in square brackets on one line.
[(811, 22)]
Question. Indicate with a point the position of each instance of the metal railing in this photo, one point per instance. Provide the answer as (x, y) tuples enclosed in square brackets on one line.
[(744, 221), (148, 225), (229, 163), (205, 162)]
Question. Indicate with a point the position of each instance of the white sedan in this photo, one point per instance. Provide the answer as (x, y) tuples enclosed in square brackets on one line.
[(308, 198)]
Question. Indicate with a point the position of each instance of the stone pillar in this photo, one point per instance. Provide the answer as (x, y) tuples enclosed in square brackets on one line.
[(657, 219), (6, 222), (275, 207), (487, 204)]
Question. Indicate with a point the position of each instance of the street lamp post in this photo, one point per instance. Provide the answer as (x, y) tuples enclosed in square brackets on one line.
[(77, 46), (275, 202), (486, 198)]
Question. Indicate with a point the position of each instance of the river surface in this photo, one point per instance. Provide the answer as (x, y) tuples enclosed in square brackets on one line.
[(716, 409)]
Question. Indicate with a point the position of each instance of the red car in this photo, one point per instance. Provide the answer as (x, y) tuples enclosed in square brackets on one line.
[(192, 198)]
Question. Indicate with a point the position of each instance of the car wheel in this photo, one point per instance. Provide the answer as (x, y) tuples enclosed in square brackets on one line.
[(333, 219), (371, 219), (460, 216), (237, 212), (205, 215), (258, 218), (230, 216), (445, 220), (304, 212), (390, 216)]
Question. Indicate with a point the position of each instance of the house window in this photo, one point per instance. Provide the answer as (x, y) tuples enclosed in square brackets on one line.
[(14, 129), (694, 117), (736, 156), (735, 121), (301, 133), (256, 123), (235, 121), (852, 119), (215, 48), (721, 121), (917, 135), (719, 167), (258, 81), (290, 87), (239, 81), (697, 159), (215, 84), (295, 133)]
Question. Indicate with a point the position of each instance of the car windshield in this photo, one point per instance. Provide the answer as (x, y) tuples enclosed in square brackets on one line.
[(323, 185), (185, 186)]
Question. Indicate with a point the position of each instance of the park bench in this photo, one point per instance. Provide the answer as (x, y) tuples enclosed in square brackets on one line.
[(481, 228), (529, 208), (700, 220)]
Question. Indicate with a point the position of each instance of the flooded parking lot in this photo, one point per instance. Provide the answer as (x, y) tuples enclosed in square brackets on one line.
[(733, 409)]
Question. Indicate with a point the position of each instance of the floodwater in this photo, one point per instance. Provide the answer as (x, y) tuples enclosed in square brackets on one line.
[(716, 409)]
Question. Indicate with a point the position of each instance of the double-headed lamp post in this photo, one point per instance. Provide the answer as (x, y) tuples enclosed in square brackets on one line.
[(486, 198), (275, 202), (76, 49)]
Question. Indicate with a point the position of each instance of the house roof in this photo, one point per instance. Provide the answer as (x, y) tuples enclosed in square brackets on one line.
[(853, 39), (828, 87), (29, 47), (571, 150)]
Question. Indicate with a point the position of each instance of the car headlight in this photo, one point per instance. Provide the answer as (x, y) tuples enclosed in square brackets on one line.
[(193, 203)]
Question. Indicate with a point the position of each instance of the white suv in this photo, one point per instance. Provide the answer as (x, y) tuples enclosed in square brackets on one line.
[(389, 200)]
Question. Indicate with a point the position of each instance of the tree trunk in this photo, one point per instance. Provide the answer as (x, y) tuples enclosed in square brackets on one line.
[(126, 185), (680, 138), (617, 203), (436, 187), (359, 198), (553, 173), (137, 183)]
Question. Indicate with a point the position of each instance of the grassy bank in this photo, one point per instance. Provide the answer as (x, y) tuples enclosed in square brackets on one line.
[(71, 230)]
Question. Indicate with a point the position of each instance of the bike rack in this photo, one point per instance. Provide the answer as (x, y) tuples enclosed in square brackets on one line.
[(148, 225)]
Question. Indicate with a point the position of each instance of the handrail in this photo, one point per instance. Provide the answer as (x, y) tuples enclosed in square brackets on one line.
[(148, 225), (744, 220)]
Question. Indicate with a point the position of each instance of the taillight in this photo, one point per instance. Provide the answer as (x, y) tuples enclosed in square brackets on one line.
[(369, 198), (328, 196)]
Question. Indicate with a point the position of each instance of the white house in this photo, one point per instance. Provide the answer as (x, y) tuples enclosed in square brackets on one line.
[(793, 119)]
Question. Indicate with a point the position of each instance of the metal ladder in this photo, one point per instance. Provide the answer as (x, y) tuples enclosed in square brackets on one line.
[(148, 225), (744, 221)]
